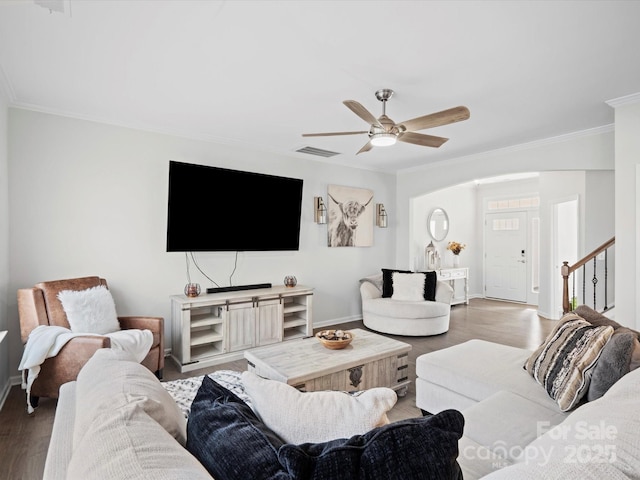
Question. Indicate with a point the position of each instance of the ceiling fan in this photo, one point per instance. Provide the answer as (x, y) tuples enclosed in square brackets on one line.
[(384, 132)]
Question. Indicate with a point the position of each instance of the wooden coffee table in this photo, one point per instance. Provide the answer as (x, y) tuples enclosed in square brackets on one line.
[(371, 360)]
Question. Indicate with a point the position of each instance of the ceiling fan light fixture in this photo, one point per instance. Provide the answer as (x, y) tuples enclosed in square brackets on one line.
[(383, 139), (384, 132)]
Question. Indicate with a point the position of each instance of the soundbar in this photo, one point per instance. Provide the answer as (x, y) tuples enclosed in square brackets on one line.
[(236, 288)]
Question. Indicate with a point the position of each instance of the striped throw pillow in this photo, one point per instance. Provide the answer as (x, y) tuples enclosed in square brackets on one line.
[(563, 364)]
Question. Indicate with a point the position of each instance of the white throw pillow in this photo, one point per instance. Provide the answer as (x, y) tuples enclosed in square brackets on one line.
[(314, 417), (90, 311), (408, 286)]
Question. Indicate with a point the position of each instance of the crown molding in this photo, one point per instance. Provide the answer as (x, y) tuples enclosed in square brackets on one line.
[(517, 148), (228, 142), (623, 101)]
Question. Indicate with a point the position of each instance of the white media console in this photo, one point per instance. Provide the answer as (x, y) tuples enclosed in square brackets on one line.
[(218, 327)]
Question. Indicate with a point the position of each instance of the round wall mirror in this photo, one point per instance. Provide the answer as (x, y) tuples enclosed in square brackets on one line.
[(438, 224)]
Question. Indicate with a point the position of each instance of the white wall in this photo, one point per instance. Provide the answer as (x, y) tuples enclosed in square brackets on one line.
[(594, 189), (4, 248), (599, 207), (87, 198), (586, 151), (556, 187), (460, 203), (91, 199), (627, 151), (600, 227), (593, 150)]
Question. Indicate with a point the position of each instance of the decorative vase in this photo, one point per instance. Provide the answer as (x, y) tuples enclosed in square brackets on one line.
[(192, 289), (456, 260), (290, 281)]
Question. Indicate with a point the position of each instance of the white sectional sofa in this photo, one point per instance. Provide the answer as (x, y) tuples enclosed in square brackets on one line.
[(514, 430), (117, 421)]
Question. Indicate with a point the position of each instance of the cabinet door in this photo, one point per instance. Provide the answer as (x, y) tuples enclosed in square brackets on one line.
[(240, 323), (269, 322)]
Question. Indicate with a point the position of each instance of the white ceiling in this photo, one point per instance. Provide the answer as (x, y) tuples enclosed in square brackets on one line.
[(261, 73)]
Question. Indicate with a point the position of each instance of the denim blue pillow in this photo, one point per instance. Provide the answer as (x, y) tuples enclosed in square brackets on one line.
[(412, 449), (228, 439)]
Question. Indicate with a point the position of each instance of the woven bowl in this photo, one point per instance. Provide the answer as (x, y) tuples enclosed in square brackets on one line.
[(329, 340)]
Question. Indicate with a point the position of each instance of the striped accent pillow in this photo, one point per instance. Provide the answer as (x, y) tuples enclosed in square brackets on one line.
[(564, 362)]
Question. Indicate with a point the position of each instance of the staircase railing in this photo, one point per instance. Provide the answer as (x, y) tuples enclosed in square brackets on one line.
[(579, 269)]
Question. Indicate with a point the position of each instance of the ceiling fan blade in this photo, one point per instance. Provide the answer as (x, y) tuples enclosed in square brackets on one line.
[(366, 148), (332, 133), (437, 119), (421, 139), (362, 112)]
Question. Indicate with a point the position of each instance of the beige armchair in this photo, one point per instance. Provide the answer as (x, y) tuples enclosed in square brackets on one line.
[(40, 306)]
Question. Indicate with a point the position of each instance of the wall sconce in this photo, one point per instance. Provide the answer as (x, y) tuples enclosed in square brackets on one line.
[(381, 216), (319, 210)]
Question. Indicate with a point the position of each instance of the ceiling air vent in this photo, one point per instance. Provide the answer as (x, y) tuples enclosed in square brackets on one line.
[(317, 151)]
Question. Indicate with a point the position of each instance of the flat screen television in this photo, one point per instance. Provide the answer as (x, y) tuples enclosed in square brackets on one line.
[(215, 209)]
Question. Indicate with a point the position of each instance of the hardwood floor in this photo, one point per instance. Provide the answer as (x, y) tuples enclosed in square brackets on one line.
[(24, 438)]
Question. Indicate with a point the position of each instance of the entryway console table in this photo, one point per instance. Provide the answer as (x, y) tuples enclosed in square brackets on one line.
[(451, 275), (218, 327)]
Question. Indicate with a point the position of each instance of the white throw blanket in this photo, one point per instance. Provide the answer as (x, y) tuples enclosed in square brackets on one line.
[(46, 341)]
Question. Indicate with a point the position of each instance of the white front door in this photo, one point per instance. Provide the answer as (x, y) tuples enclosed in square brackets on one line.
[(505, 249)]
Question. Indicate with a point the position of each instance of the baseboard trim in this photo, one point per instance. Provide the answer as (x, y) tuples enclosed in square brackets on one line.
[(337, 321)]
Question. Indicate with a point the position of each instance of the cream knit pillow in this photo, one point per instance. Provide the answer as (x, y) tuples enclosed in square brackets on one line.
[(408, 286), (302, 417)]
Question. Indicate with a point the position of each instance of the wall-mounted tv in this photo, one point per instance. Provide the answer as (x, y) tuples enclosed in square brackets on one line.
[(213, 209)]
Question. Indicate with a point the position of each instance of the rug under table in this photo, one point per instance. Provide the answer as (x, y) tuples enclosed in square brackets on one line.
[(184, 390)]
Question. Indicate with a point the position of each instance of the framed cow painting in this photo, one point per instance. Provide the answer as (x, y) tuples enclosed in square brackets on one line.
[(351, 213)]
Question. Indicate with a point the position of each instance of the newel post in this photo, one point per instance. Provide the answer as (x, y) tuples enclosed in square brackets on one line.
[(566, 306)]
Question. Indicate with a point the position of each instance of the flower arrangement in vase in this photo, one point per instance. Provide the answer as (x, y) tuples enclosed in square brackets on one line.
[(456, 248)]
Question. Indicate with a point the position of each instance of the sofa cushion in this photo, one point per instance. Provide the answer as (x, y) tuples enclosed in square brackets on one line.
[(505, 423), (604, 431), (91, 310), (227, 437), (476, 461), (388, 307), (476, 369), (61, 440), (126, 443), (387, 281), (303, 419), (415, 448), (558, 470), (564, 362), (110, 380)]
